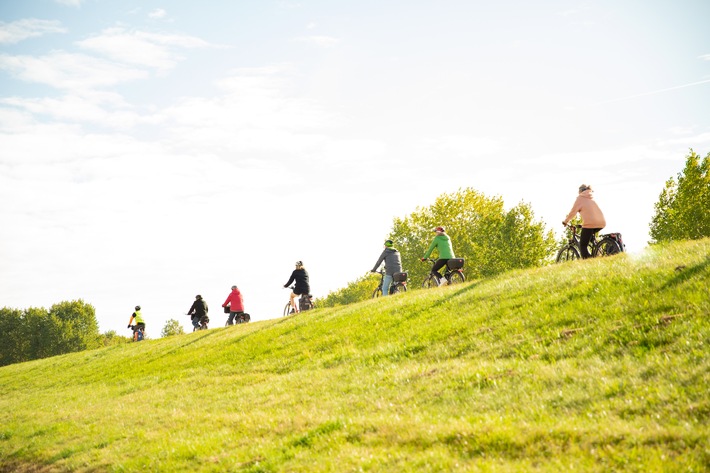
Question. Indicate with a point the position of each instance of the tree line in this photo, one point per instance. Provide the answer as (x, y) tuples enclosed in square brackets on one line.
[(34, 333)]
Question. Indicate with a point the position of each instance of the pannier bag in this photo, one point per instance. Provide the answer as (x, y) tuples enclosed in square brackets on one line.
[(617, 237), (399, 277), (204, 319), (455, 263)]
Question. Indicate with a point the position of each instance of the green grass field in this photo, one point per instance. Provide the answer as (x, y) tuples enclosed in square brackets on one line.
[(601, 365)]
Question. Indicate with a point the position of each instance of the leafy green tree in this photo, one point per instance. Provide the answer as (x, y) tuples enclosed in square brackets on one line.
[(112, 338), (75, 327), (14, 347), (682, 207), (491, 239), (36, 333), (172, 327)]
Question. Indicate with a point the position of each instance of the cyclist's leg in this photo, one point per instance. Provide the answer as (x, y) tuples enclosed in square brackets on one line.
[(386, 282), (293, 301), (584, 239), (195, 323), (440, 263), (230, 320)]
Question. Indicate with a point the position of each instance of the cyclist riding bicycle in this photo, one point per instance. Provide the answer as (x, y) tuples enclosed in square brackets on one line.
[(198, 310), (442, 244), (300, 276), (235, 302), (140, 322), (592, 217), (393, 264)]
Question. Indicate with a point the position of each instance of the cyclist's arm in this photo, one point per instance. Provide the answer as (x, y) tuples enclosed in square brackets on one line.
[(431, 248), (575, 209), (379, 262), (291, 279)]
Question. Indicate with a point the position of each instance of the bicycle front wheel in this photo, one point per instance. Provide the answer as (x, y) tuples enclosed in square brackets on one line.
[(430, 281), (567, 253), (287, 309), (607, 247), (377, 293), (456, 277)]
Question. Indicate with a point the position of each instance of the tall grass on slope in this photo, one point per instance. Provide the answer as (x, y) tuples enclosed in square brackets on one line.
[(596, 365)]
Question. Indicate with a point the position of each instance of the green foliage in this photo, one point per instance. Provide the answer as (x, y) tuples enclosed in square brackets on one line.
[(682, 207), (491, 239), (358, 290), (597, 365), (39, 333), (112, 338), (172, 327)]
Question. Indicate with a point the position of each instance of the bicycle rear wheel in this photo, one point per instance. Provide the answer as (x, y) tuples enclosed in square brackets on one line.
[(456, 277), (397, 288), (607, 247), (567, 253)]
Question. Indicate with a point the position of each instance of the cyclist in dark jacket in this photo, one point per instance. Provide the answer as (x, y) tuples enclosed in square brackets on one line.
[(198, 310), (300, 276), (393, 264)]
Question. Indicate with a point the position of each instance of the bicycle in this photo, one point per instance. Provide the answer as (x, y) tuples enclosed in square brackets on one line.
[(608, 244), (138, 333), (305, 302), (399, 284), (453, 274), (204, 320), (239, 318)]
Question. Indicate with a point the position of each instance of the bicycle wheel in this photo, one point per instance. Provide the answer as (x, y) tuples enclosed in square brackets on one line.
[(377, 293), (567, 253), (287, 309), (430, 281), (607, 247), (397, 288), (456, 277)]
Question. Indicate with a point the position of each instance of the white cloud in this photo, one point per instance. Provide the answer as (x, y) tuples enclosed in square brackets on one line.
[(158, 13), (151, 50), (20, 30), (320, 41), (705, 57), (71, 3), (465, 145), (69, 71)]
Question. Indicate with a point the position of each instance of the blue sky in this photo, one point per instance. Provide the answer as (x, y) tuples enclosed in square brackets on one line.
[(151, 151)]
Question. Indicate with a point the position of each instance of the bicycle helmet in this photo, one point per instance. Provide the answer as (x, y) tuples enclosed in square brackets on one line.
[(138, 307), (299, 263), (389, 243), (439, 229), (198, 297)]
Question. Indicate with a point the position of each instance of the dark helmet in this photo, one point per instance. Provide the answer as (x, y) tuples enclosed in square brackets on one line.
[(198, 297), (138, 307)]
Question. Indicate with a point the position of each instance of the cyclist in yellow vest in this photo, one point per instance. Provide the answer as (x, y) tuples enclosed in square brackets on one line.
[(140, 323)]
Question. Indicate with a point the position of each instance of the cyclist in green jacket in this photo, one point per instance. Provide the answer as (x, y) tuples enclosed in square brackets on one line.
[(442, 244)]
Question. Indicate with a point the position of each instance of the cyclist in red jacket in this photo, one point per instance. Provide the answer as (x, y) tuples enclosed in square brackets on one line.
[(235, 302)]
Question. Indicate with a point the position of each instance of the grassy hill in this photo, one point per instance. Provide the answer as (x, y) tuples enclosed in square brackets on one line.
[(595, 366)]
